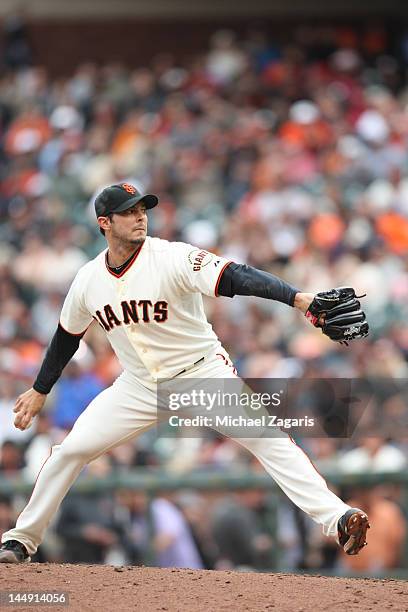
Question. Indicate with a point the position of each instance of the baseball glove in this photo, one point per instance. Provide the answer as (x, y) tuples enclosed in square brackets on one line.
[(338, 313)]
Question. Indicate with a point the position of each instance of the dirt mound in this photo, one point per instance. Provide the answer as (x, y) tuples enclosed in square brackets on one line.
[(95, 587)]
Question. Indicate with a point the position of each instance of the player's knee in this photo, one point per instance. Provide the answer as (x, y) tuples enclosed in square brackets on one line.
[(70, 452)]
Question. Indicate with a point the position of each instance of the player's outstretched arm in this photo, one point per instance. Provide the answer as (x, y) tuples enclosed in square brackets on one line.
[(337, 312), (62, 347), (240, 279)]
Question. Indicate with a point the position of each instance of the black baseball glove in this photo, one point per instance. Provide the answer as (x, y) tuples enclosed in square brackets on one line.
[(338, 313)]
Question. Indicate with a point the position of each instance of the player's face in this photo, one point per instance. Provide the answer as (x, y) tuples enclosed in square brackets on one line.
[(130, 225)]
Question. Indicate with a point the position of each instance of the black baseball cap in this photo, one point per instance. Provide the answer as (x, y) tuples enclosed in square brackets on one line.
[(118, 198)]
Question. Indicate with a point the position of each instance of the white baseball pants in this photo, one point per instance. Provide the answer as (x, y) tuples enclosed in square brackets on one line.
[(125, 410)]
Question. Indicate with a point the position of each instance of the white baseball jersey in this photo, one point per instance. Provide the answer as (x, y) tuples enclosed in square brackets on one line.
[(152, 311)]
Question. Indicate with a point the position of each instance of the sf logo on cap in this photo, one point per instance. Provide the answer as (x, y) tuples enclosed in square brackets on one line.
[(129, 188)]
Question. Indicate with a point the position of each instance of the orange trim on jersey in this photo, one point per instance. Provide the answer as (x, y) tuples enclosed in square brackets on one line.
[(219, 277), (131, 262), (71, 333)]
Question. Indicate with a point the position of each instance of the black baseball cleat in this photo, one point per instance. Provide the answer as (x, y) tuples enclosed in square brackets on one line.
[(13, 551), (352, 529)]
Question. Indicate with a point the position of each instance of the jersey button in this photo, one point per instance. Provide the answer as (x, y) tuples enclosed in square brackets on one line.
[(144, 351)]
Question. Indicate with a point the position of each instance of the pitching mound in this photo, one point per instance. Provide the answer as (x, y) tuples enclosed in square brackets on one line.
[(95, 587)]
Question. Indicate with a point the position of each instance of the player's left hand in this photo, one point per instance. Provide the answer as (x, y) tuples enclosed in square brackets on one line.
[(338, 313)]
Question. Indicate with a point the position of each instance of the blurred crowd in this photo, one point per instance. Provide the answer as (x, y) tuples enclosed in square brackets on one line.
[(289, 157)]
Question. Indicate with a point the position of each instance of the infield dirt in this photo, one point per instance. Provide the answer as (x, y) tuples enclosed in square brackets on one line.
[(95, 587)]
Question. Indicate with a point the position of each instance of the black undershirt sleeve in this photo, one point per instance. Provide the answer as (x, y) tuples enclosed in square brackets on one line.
[(240, 279), (62, 347)]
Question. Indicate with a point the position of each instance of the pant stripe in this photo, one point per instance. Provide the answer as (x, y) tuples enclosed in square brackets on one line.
[(38, 475), (230, 365), (307, 456)]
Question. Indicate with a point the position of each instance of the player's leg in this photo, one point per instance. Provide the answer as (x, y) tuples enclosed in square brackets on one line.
[(288, 465), (295, 474), (119, 413)]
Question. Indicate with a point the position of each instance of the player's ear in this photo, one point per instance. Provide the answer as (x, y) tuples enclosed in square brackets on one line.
[(104, 223)]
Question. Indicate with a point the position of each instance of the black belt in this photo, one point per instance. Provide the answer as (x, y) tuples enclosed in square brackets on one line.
[(189, 368)]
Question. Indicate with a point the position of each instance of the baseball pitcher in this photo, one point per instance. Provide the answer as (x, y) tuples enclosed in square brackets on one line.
[(146, 294)]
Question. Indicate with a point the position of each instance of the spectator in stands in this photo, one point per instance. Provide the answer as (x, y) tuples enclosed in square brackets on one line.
[(6, 513), (11, 459), (17, 52), (132, 514), (374, 454), (241, 532), (173, 543), (87, 525), (75, 391), (8, 391), (194, 507)]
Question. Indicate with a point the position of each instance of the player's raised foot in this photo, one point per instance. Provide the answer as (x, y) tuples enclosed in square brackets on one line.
[(13, 552), (352, 529)]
